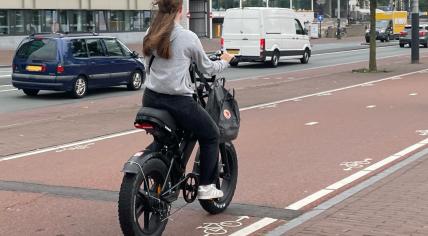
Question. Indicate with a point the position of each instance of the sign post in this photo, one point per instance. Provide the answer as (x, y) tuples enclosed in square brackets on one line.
[(320, 20)]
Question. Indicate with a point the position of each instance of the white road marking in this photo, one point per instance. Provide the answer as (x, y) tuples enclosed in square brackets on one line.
[(302, 203), (413, 94), (5, 76), (350, 165), (49, 149), (324, 94), (8, 90), (309, 199), (8, 85), (254, 227), (221, 228), (311, 123), (318, 67), (270, 106), (329, 91), (422, 132), (367, 85), (371, 106)]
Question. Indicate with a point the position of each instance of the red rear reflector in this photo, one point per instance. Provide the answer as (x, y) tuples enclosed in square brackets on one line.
[(143, 126), (423, 33), (59, 69), (262, 44), (222, 42)]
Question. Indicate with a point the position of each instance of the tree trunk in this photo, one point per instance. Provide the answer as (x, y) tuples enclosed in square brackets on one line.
[(372, 61)]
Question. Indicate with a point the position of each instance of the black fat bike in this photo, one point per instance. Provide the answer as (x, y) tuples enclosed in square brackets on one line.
[(153, 180)]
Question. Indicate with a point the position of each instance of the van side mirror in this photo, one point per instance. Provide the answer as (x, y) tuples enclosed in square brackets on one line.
[(305, 31)]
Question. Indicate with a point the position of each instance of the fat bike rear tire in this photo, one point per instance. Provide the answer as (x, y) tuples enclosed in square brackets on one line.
[(136, 214)]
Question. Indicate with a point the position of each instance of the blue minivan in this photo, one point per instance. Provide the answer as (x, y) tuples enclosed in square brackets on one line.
[(74, 63)]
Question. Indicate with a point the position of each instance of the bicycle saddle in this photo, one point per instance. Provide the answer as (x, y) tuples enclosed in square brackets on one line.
[(158, 116)]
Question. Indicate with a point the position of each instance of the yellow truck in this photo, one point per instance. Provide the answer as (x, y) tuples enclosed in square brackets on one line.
[(389, 24)]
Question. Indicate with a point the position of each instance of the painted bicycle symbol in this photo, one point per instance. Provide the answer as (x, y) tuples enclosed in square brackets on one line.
[(76, 147), (220, 228), (422, 132), (355, 164)]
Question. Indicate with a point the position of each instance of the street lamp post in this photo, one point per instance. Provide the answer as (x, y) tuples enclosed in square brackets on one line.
[(415, 32)]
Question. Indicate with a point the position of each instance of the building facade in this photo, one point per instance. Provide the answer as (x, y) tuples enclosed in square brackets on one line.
[(129, 19)]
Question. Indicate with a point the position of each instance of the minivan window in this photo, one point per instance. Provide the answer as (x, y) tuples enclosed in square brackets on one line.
[(38, 49), (113, 48), (299, 29), (95, 48), (78, 48)]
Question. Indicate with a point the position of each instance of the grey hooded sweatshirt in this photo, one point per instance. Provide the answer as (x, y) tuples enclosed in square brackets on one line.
[(171, 76)]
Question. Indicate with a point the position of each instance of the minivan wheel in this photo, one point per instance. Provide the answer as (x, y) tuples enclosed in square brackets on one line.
[(234, 63), (275, 59), (31, 92), (305, 58), (135, 81), (80, 87)]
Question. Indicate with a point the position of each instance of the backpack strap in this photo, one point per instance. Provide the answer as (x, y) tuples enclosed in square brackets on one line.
[(151, 62)]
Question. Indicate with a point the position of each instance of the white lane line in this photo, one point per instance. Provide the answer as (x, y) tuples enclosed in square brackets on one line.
[(7, 90), (370, 106), (8, 85), (5, 76), (311, 198), (315, 68), (329, 91), (254, 227), (311, 123), (25, 154), (307, 200)]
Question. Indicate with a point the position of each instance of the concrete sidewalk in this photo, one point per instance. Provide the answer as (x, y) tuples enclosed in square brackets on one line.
[(393, 205)]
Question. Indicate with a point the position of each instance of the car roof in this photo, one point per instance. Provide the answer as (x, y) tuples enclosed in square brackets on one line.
[(68, 35)]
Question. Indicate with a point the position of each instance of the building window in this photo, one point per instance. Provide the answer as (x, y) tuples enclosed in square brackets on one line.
[(222, 5), (302, 5), (18, 21), (4, 22), (102, 19), (146, 19), (254, 3), (117, 21), (35, 24), (88, 19), (50, 21), (133, 21), (279, 3)]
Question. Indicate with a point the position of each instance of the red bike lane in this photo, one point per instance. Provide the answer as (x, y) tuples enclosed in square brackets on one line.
[(287, 151)]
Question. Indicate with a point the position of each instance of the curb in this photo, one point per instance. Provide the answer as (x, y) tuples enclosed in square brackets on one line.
[(5, 66)]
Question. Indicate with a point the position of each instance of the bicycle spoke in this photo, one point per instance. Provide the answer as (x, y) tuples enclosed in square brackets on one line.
[(146, 220)]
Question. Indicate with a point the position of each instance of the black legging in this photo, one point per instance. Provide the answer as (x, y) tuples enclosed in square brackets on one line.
[(190, 116)]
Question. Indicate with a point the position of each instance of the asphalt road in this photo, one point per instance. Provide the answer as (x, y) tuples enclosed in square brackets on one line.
[(305, 137), (13, 100)]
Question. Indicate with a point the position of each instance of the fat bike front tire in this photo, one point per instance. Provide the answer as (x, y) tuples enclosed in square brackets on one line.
[(228, 177)]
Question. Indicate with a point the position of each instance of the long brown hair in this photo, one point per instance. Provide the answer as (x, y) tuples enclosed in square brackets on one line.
[(158, 37)]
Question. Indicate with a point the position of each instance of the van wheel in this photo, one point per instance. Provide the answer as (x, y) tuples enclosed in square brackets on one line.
[(31, 92), (135, 81), (305, 58), (275, 60), (80, 87)]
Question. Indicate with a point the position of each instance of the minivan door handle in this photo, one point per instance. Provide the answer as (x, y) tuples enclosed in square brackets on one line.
[(245, 39)]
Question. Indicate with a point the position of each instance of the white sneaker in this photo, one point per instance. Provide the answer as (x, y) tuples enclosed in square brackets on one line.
[(206, 192)]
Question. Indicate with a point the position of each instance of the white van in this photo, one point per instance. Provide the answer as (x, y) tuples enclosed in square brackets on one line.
[(264, 35)]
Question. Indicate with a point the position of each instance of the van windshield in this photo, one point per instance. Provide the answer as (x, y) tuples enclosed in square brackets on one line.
[(38, 49)]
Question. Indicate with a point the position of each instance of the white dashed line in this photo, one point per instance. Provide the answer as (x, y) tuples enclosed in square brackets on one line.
[(371, 106), (311, 123), (254, 227), (413, 94)]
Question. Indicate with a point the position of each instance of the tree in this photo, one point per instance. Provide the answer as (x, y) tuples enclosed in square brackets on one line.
[(372, 60)]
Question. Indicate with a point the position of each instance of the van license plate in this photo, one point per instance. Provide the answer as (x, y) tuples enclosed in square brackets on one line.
[(34, 68), (233, 51)]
